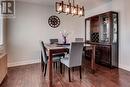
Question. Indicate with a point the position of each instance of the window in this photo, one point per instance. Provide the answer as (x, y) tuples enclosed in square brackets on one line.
[(1, 32)]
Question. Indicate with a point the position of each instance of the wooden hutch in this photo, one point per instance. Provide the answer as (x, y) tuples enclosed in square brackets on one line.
[(103, 29)]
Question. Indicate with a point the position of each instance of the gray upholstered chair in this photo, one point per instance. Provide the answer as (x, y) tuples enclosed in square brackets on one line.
[(44, 58), (75, 57), (54, 41), (79, 39)]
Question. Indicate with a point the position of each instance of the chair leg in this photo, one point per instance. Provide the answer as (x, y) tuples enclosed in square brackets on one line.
[(45, 70), (73, 69), (69, 75), (56, 66), (42, 63), (61, 68), (42, 67), (80, 72)]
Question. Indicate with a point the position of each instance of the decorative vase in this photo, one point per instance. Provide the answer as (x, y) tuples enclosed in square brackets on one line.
[(64, 40)]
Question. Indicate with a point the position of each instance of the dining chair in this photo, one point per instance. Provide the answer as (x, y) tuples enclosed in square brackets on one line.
[(44, 58), (79, 39), (54, 41), (75, 57)]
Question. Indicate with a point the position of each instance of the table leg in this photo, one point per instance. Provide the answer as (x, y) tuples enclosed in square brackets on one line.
[(50, 69), (93, 60)]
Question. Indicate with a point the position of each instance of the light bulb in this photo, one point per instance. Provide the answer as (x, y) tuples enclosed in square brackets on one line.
[(73, 11), (67, 10), (80, 12), (60, 8)]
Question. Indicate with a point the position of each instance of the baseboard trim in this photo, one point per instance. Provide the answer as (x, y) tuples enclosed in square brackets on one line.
[(25, 62), (124, 67)]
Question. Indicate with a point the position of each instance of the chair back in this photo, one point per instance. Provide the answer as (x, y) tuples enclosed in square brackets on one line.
[(43, 53), (79, 39), (76, 54), (53, 41)]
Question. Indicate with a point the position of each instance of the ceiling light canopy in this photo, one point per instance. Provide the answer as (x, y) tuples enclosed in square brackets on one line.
[(69, 8)]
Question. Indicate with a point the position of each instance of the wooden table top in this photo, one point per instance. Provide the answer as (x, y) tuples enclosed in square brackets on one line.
[(55, 46)]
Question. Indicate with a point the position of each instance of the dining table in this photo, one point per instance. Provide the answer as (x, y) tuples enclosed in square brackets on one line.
[(61, 48)]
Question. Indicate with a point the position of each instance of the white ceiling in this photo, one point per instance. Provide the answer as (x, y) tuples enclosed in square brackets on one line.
[(88, 4)]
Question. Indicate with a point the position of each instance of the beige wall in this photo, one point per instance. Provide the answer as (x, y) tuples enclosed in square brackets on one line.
[(98, 10), (30, 26), (3, 46)]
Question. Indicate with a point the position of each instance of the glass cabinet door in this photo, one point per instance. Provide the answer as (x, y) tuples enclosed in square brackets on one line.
[(114, 18), (105, 29)]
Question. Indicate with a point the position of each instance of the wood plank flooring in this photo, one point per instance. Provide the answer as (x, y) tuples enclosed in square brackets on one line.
[(31, 76)]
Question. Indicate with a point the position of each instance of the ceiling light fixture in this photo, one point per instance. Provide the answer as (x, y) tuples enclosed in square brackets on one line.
[(69, 8)]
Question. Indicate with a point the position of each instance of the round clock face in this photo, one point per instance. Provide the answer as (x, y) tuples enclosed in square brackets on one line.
[(54, 21)]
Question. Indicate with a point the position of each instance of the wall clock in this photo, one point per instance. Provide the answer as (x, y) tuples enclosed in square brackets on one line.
[(54, 21)]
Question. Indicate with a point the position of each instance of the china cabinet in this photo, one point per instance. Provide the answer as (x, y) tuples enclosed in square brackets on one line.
[(103, 30)]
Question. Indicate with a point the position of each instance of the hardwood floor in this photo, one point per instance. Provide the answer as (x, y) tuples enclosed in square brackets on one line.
[(31, 76)]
